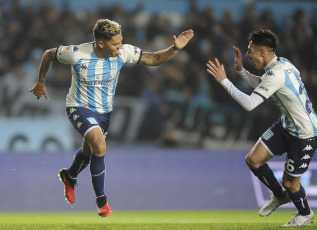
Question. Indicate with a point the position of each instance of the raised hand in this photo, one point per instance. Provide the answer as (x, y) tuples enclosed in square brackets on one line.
[(181, 41), (237, 59), (216, 70)]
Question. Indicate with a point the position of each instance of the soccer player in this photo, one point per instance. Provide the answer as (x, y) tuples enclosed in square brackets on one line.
[(95, 68), (295, 132)]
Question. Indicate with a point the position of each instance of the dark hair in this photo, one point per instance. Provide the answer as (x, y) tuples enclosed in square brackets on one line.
[(264, 38)]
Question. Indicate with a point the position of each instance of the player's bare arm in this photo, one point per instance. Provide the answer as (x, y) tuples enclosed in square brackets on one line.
[(238, 59), (162, 56), (39, 88), (216, 70)]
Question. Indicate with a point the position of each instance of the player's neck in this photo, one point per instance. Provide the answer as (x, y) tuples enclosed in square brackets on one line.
[(98, 52), (268, 59)]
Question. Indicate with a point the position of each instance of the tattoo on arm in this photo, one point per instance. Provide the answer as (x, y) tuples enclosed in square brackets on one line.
[(146, 59), (47, 59), (157, 57)]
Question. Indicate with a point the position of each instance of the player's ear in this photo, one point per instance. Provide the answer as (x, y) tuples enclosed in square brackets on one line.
[(263, 51), (100, 44)]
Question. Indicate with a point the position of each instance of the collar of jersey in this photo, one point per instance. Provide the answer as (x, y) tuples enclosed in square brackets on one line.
[(270, 64)]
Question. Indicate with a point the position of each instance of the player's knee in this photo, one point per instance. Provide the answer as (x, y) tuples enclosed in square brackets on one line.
[(98, 148), (250, 163), (289, 185)]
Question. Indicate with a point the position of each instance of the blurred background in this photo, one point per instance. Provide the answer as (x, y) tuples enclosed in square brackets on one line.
[(176, 139)]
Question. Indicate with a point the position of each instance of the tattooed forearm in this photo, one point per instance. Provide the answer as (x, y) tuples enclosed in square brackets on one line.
[(157, 57), (47, 59)]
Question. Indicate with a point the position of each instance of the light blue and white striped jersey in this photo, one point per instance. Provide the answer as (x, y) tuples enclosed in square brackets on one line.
[(94, 79), (282, 82)]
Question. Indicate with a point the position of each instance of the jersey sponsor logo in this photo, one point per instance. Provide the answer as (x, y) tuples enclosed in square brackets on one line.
[(92, 120), (306, 157), (307, 148), (263, 88), (98, 82), (83, 66), (270, 73), (304, 165), (268, 134)]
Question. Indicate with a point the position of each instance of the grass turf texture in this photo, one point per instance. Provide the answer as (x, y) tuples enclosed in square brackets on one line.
[(137, 220)]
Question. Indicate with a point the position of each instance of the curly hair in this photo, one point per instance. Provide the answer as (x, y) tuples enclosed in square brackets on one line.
[(264, 38), (105, 29)]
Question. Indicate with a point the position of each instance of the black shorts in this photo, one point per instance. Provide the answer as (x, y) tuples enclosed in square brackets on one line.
[(299, 151), (83, 120)]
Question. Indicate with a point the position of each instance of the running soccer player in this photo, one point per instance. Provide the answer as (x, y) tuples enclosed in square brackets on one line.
[(95, 68), (295, 132)]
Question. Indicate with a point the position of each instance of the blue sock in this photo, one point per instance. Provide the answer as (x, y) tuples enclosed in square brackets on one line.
[(80, 162), (266, 176), (98, 174), (300, 201)]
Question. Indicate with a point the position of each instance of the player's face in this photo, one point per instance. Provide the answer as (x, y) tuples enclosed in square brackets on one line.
[(255, 55), (111, 47)]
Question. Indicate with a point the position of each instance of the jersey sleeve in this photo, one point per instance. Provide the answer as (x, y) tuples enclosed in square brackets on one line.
[(67, 54), (246, 101), (131, 54), (251, 79), (271, 82)]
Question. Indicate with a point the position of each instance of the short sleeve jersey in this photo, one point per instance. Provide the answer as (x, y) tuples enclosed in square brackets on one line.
[(282, 82), (94, 79)]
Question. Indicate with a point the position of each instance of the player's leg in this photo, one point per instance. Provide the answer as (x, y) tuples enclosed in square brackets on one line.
[(256, 160), (270, 144), (80, 162), (299, 156), (69, 176), (78, 118), (298, 195), (96, 141)]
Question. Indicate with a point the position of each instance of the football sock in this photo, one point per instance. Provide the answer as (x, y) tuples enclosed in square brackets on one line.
[(80, 162), (266, 176), (98, 174), (300, 201)]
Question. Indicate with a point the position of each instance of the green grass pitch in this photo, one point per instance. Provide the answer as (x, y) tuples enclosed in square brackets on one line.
[(147, 220)]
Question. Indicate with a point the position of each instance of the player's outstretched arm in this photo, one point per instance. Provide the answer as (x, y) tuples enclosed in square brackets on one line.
[(162, 56), (248, 102), (39, 88)]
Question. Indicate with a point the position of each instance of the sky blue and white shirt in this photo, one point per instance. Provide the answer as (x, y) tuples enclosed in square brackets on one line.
[(281, 81), (94, 79)]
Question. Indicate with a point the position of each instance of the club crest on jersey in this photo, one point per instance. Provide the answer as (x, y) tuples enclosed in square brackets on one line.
[(267, 134), (113, 65), (92, 120)]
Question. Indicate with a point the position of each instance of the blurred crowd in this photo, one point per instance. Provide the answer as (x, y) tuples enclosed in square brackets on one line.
[(180, 94)]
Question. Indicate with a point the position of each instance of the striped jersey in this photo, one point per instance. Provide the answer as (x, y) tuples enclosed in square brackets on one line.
[(94, 79), (281, 81)]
